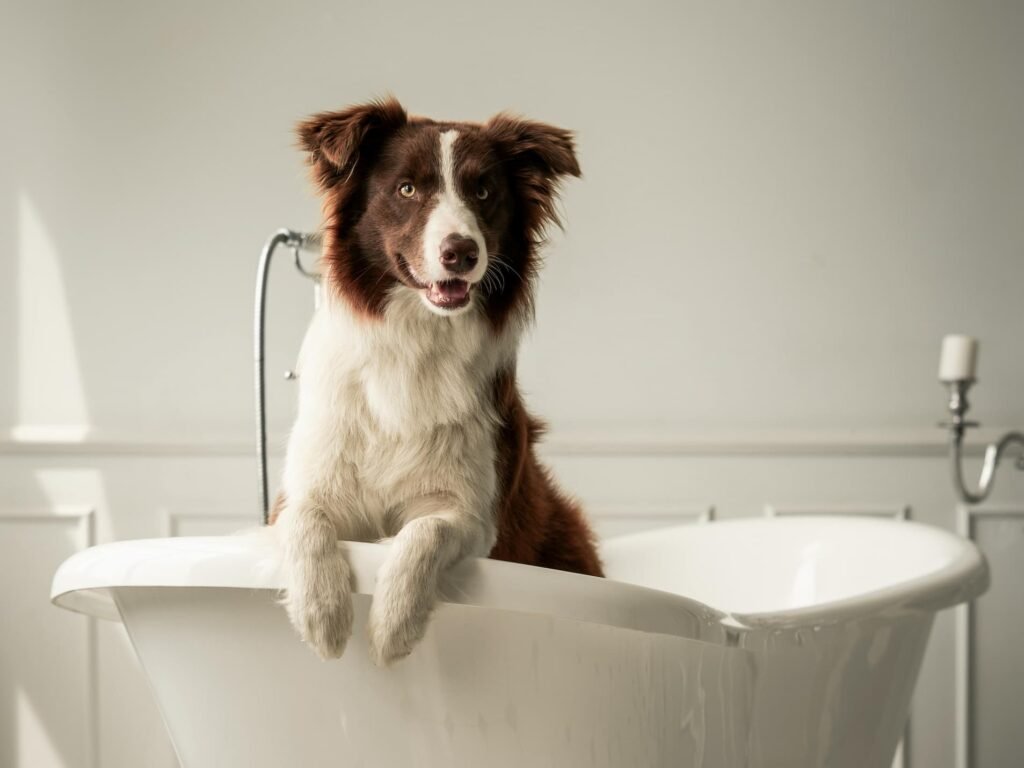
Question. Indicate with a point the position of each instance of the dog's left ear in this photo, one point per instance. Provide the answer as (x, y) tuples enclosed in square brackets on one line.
[(539, 156), (336, 140)]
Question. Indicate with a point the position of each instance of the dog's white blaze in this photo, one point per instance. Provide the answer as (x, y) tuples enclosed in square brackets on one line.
[(447, 139), (451, 216)]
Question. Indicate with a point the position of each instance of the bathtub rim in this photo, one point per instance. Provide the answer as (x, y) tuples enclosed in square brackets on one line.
[(964, 578), (85, 582), (82, 584)]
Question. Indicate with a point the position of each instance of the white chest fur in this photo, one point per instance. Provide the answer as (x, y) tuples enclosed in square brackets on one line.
[(394, 411)]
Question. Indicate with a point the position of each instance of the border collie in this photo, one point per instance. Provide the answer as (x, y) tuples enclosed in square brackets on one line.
[(410, 423)]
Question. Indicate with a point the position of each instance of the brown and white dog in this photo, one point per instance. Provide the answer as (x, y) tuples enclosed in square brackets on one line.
[(410, 423)]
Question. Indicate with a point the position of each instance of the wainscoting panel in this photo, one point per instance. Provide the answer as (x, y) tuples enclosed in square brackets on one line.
[(616, 520), (990, 636), (48, 711), (197, 522), (894, 511)]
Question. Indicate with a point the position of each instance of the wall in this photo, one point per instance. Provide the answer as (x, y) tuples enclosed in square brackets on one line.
[(784, 207)]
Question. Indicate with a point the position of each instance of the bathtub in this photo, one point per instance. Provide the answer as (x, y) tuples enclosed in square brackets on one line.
[(836, 610), (797, 643)]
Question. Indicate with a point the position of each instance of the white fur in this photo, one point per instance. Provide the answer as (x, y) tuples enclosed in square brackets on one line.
[(450, 216), (394, 437)]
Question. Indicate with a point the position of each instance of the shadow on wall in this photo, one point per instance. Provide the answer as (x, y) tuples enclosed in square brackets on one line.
[(76, 318), (8, 272), (67, 683), (71, 691), (47, 670), (48, 706), (133, 224), (52, 695)]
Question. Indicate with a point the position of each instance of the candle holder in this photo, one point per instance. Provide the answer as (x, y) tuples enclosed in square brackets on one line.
[(957, 426)]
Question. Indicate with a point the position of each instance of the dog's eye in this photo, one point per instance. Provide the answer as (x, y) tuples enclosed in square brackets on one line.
[(482, 193), (407, 190)]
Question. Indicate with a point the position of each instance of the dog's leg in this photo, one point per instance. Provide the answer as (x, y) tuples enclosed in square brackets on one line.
[(319, 583), (408, 582)]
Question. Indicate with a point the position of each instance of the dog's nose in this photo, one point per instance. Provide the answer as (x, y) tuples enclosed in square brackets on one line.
[(459, 254)]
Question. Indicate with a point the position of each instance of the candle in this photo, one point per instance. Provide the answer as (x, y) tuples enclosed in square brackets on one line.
[(959, 358)]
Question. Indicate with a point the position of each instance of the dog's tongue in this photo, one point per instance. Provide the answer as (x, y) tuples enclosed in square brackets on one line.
[(448, 291)]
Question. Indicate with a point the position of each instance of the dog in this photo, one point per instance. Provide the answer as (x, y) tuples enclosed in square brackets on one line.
[(410, 424)]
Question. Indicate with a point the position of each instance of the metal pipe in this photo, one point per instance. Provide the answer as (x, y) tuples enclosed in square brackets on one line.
[(298, 242), (958, 406), (993, 454)]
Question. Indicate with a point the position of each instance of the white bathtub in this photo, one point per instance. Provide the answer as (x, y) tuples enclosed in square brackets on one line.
[(808, 658), (837, 611)]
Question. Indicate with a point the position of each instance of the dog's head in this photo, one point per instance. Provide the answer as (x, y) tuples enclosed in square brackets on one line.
[(453, 211)]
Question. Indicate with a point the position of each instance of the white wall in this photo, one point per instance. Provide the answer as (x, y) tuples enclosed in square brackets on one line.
[(784, 207)]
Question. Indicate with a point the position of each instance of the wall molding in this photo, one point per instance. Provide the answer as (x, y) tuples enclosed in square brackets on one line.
[(966, 518), (669, 513), (173, 518), (677, 513), (611, 443), (83, 513), (893, 511)]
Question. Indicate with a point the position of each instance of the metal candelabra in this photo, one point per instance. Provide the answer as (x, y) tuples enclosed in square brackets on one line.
[(956, 371)]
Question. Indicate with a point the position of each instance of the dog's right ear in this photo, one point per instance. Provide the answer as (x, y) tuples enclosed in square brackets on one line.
[(334, 140)]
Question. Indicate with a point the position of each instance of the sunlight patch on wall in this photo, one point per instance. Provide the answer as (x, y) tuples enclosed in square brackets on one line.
[(51, 397), (34, 745)]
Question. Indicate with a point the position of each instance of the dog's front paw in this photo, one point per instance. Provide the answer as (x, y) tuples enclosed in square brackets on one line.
[(319, 604), (393, 639), (399, 616)]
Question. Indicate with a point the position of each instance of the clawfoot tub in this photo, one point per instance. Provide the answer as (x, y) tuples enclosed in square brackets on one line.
[(797, 644)]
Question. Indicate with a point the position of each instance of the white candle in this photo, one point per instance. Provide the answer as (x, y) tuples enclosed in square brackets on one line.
[(959, 358)]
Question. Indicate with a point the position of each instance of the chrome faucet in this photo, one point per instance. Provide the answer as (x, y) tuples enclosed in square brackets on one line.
[(298, 242)]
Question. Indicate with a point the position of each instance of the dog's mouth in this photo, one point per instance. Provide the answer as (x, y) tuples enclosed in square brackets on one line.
[(448, 294), (443, 294)]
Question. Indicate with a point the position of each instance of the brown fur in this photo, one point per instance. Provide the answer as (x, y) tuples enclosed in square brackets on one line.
[(341, 148), (537, 524)]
